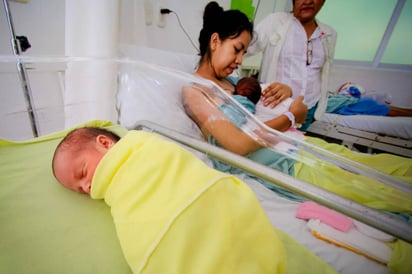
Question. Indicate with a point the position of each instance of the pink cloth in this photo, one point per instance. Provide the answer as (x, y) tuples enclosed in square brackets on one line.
[(312, 210)]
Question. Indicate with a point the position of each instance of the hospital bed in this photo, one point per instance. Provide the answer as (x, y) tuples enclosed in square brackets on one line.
[(375, 133), (364, 132), (47, 229)]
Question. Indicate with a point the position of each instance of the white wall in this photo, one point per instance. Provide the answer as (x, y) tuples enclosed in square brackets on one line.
[(171, 36), (394, 82), (42, 21)]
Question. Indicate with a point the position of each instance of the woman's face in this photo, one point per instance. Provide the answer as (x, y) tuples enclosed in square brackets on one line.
[(306, 10), (227, 55)]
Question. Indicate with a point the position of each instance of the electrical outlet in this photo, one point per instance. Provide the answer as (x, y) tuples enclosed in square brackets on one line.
[(161, 19)]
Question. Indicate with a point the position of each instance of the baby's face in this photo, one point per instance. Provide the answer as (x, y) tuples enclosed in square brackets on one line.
[(75, 170)]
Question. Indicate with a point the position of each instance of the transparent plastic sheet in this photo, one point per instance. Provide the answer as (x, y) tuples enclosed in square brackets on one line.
[(153, 93), (171, 81), (163, 91)]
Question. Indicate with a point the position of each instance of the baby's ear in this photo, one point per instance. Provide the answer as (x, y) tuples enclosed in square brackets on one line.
[(104, 141)]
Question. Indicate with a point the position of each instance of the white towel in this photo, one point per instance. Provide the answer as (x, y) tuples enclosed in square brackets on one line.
[(373, 232), (352, 240)]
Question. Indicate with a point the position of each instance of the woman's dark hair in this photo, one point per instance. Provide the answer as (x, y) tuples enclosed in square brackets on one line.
[(228, 24)]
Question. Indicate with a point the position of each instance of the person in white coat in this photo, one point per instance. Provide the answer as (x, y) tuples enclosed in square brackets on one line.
[(297, 51)]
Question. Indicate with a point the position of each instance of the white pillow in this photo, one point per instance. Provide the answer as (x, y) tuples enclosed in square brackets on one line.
[(153, 93)]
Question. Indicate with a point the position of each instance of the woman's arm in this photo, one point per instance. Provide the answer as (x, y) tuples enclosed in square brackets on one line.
[(212, 122)]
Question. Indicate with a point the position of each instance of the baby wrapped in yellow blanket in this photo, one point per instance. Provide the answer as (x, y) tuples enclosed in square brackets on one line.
[(174, 214)]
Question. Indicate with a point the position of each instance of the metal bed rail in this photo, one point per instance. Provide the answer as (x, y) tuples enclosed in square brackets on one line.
[(380, 220), (21, 68), (370, 140)]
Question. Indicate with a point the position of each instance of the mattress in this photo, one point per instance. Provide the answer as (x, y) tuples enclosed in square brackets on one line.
[(391, 126)]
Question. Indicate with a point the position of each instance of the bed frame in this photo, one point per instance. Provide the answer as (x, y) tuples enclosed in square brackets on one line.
[(360, 140)]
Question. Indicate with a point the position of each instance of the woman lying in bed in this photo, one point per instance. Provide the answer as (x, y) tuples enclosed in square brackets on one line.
[(224, 40), (350, 99)]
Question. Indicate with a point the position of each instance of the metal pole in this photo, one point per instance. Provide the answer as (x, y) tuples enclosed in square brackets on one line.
[(22, 71), (375, 218)]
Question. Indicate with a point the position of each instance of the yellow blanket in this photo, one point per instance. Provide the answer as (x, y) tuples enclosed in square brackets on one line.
[(360, 188), (173, 214)]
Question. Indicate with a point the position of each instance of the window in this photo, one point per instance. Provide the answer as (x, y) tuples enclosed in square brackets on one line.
[(372, 33), (360, 26), (399, 49)]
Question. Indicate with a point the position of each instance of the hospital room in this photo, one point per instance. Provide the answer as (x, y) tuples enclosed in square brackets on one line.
[(180, 169)]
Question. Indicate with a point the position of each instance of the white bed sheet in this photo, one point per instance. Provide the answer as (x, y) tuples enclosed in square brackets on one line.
[(282, 213), (391, 126)]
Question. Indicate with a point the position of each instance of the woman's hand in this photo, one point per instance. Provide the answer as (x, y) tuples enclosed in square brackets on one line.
[(275, 93), (299, 109)]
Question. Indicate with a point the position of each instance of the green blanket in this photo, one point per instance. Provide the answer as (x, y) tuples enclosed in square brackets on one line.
[(44, 227)]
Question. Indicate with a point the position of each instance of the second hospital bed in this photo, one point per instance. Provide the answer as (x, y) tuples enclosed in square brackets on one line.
[(365, 132), (48, 229)]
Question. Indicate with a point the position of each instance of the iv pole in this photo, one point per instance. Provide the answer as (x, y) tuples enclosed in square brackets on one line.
[(22, 71)]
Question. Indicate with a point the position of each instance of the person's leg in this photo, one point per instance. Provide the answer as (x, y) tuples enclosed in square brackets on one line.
[(397, 111)]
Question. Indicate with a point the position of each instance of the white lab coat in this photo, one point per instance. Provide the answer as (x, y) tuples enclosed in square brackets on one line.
[(269, 37)]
